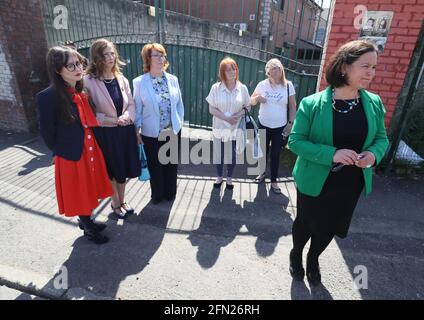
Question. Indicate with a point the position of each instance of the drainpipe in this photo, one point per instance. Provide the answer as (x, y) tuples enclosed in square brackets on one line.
[(266, 18)]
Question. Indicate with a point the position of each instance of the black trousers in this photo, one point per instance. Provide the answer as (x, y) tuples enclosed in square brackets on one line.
[(275, 138), (163, 177)]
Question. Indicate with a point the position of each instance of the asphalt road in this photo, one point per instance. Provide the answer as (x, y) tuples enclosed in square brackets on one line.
[(207, 244)]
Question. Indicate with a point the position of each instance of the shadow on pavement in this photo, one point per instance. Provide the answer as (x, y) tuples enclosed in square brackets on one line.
[(39, 161), (99, 269), (299, 291), (226, 218)]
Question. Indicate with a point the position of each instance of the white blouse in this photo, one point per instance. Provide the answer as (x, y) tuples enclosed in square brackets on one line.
[(228, 102)]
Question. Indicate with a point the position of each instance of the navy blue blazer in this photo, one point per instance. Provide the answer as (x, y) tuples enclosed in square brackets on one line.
[(65, 140)]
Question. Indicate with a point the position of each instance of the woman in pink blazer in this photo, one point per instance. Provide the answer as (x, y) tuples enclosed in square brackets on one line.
[(115, 112)]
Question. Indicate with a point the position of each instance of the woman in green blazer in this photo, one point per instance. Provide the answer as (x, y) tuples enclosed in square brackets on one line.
[(338, 135)]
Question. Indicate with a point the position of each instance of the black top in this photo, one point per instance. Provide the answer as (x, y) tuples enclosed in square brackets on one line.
[(64, 139), (116, 95), (349, 129)]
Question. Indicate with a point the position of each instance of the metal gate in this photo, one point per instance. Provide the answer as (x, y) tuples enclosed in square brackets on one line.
[(197, 37), (407, 123)]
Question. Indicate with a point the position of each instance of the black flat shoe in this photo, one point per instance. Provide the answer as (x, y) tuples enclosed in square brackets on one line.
[(97, 226), (217, 185), (276, 190), (296, 268), (229, 186), (260, 178)]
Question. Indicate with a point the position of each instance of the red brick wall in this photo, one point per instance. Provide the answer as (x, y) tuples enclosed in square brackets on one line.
[(22, 53), (228, 11), (394, 61)]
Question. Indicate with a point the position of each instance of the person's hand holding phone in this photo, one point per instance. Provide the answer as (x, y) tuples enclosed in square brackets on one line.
[(366, 159), (345, 156)]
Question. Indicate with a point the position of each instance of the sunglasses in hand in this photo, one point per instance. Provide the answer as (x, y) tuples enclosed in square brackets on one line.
[(336, 167)]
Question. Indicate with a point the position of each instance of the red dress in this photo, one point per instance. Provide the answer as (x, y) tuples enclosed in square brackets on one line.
[(80, 184)]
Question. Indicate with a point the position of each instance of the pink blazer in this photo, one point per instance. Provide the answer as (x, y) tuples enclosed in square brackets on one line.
[(105, 109)]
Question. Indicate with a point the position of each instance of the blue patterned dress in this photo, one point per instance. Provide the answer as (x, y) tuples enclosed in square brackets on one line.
[(160, 85)]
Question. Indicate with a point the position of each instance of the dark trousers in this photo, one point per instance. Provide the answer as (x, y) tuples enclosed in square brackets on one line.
[(163, 177), (275, 138), (301, 234), (230, 166)]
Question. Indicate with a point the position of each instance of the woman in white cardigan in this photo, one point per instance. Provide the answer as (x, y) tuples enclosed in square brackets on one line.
[(159, 113)]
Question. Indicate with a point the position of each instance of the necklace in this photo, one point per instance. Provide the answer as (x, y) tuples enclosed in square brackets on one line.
[(108, 80), (351, 104)]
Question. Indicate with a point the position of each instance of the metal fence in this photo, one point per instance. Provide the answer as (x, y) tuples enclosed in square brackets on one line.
[(197, 35), (407, 125), (197, 69)]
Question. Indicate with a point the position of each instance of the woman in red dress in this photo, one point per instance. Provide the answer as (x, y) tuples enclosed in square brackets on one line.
[(66, 122)]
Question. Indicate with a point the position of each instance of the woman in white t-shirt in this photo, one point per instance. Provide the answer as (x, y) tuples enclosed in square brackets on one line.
[(273, 98), (226, 101)]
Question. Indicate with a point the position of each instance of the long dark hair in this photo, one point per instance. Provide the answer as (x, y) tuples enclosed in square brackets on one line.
[(57, 58)]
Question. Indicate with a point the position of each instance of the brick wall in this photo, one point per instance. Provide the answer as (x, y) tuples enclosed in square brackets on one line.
[(394, 61), (22, 62), (228, 11)]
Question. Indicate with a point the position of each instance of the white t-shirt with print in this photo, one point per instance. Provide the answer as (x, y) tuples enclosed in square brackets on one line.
[(273, 113)]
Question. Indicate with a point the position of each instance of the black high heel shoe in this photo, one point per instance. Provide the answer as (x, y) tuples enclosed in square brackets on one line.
[(127, 208), (118, 212), (296, 268)]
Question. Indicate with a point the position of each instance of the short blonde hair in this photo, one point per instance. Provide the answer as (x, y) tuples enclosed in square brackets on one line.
[(275, 63), (146, 55)]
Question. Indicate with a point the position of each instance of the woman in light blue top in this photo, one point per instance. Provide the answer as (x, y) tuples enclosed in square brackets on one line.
[(159, 112)]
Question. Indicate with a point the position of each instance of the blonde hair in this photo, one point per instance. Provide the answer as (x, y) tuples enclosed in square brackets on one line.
[(146, 55), (96, 66), (275, 63), (223, 65)]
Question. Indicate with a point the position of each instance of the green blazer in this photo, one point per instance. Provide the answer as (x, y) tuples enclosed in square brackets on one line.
[(311, 139)]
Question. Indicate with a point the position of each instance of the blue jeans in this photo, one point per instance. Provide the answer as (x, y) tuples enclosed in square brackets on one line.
[(230, 166)]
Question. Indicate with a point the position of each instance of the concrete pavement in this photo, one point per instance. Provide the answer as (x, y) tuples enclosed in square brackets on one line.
[(207, 244)]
